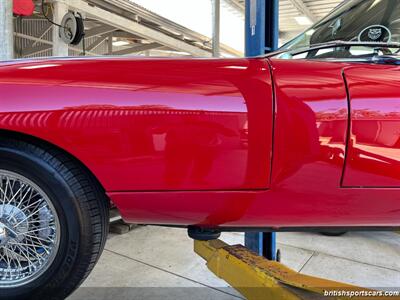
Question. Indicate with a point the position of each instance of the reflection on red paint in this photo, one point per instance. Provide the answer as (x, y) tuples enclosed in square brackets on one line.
[(186, 142), (158, 124), (311, 121), (374, 148)]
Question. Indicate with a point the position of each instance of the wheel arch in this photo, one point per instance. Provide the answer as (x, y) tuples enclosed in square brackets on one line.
[(81, 203), (39, 142)]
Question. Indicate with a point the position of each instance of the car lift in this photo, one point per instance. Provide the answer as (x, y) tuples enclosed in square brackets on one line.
[(258, 278), (255, 270)]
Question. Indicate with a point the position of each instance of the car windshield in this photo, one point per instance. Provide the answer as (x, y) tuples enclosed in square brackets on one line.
[(355, 21)]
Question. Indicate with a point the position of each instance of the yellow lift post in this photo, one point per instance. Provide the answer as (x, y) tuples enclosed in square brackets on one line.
[(257, 278)]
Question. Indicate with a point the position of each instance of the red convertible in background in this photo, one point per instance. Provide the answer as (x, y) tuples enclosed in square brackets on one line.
[(305, 138)]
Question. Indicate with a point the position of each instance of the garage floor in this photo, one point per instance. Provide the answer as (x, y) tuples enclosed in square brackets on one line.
[(158, 263)]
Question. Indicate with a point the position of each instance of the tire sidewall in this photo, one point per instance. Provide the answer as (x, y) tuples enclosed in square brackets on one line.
[(69, 214)]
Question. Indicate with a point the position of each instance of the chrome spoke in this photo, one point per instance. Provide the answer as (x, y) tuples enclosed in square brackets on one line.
[(20, 202), (29, 230), (37, 230), (26, 218)]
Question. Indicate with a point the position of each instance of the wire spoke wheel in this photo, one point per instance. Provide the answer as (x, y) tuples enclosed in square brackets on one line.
[(29, 230)]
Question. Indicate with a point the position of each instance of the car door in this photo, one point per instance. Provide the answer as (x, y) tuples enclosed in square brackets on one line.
[(310, 126), (373, 153)]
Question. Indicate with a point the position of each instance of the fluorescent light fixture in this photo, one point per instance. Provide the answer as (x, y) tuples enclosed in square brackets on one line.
[(303, 20), (120, 43)]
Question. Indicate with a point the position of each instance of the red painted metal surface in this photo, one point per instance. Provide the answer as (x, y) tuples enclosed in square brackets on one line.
[(281, 209), (149, 124), (310, 125), (311, 121), (189, 142), (374, 147)]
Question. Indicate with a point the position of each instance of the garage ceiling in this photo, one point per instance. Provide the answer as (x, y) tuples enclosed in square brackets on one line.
[(144, 30), (289, 10)]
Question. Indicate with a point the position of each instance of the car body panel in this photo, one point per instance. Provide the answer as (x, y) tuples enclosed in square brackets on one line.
[(277, 142), (310, 124), (149, 124), (310, 136), (374, 145)]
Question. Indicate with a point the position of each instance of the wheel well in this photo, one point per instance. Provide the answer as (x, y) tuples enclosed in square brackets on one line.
[(9, 134)]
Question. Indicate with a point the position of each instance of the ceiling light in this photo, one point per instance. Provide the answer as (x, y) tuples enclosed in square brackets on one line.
[(120, 43), (303, 20)]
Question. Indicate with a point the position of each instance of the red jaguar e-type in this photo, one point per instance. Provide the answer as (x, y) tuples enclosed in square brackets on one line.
[(305, 138)]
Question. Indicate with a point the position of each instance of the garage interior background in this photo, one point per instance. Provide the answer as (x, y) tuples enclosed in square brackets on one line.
[(144, 27)]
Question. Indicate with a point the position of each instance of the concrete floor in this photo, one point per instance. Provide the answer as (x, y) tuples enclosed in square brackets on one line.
[(158, 263)]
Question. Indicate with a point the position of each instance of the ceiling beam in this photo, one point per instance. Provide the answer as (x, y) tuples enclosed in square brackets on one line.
[(237, 5), (304, 10), (100, 30), (136, 28), (96, 43), (126, 35), (131, 10), (138, 48)]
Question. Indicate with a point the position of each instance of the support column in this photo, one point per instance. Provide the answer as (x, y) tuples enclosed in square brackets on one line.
[(60, 48), (6, 30), (262, 31), (216, 16), (262, 26), (110, 44)]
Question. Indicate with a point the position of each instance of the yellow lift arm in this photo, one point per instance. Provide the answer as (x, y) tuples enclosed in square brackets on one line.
[(257, 278)]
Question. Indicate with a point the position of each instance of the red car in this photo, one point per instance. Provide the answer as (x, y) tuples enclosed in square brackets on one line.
[(305, 138)]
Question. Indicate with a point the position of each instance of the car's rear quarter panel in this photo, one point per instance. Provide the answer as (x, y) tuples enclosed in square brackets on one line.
[(148, 124)]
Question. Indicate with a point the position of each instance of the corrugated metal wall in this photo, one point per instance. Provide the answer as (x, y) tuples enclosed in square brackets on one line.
[(36, 27), (31, 27)]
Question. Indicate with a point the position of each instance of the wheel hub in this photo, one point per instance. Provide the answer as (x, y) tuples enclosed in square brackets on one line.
[(3, 234), (13, 224)]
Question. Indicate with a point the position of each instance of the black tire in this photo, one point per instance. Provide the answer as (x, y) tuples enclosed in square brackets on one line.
[(334, 233), (83, 212)]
